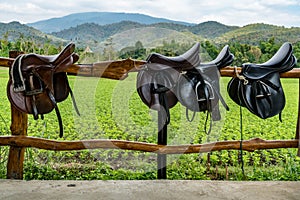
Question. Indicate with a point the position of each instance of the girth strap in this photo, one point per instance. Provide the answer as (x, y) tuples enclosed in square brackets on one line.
[(74, 101), (61, 129), (161, 91)]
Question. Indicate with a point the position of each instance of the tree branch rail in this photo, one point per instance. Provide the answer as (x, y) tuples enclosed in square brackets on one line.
[(46, 144)]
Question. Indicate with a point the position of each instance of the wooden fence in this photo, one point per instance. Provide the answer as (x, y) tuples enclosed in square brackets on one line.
[(119, 70)]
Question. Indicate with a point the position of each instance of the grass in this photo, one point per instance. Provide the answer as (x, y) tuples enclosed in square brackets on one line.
[(112, 110)]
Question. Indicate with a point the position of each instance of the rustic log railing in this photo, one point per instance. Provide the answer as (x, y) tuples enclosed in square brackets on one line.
[(248, 145), (119, 70)]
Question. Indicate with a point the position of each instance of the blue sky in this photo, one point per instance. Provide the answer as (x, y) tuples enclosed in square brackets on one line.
[(230, 12)]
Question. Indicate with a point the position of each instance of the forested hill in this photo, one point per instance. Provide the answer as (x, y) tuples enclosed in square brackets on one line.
[(209, 29), (14, 30), (218, 33), (127, 33), (254, 33)]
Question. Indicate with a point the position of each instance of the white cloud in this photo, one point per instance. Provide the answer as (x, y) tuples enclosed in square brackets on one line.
[(232, 12), (280, 2)]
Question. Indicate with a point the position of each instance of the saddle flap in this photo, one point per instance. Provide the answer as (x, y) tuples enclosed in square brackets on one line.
[(196, 93), (149, 83), (61, 86)]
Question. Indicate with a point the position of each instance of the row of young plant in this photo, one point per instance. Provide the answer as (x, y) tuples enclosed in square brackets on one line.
[(112, 110)]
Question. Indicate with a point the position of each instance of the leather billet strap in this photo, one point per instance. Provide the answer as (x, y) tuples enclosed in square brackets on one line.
[(32, 92)]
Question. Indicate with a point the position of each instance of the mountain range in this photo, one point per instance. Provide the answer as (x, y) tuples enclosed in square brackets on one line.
[(125, 29), (101, 18)]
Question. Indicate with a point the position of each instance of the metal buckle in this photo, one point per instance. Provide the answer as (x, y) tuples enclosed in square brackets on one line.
[(241, 77), (33, 91)]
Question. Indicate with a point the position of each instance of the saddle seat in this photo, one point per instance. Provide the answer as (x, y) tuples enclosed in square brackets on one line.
[(281, 61), (183, 62), (59, 62)]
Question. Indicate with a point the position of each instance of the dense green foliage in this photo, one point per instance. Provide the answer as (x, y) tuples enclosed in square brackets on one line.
[(253, 34), (211, 29), (112, 110), (14, 30)]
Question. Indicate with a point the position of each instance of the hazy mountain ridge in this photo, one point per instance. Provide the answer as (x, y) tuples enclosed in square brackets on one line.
[(101, 18), (93, 34), (92, 31)]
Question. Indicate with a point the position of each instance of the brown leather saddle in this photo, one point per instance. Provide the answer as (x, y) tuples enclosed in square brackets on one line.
[(157, 78), (37, 82), (258, 86)]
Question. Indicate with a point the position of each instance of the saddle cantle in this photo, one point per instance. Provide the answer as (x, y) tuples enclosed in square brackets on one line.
[(224, 58), (37, 82), (258, 86), (199, 89), (157, 78)]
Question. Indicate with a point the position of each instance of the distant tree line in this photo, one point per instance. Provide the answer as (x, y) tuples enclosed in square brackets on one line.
[(209, 50)]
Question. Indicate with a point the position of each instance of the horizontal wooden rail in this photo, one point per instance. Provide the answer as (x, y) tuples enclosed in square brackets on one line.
[(248, 145), (119, 69), (229, 72)]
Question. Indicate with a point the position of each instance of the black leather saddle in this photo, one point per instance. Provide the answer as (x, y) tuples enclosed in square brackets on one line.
[(156, 80), (199, 89), (37, 82), (258, 86), (165, 80)]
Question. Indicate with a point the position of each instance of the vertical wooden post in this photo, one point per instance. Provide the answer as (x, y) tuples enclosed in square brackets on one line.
[(298, 121), (162, 139), (16, 154)]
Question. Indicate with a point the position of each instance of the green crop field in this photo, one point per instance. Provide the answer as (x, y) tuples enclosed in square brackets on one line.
[(112, 110)]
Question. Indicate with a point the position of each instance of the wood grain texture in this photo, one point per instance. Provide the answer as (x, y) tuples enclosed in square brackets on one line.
[(46, 144), (119, 69), (15, 161)]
